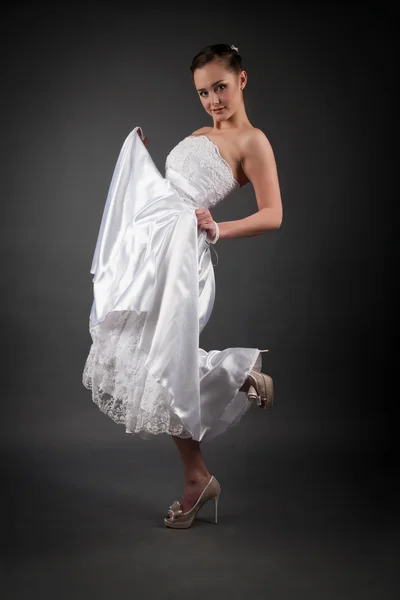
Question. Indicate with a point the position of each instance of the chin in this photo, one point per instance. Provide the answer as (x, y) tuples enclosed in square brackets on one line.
[(220, 117)]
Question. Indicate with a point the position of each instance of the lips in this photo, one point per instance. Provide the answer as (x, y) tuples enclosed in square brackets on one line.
[(217, 110)]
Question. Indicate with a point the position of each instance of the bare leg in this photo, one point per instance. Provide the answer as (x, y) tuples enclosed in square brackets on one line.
[(195, 471)]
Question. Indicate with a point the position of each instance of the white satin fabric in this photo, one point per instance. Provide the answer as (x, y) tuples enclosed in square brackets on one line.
[(154, 292)]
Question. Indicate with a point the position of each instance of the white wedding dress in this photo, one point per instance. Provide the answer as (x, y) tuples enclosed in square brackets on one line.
[(154, 291)]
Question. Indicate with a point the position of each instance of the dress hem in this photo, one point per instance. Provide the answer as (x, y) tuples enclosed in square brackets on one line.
[(184, 432)]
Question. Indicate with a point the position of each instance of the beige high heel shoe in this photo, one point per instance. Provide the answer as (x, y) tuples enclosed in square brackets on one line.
[(261, 388), (177, 519)]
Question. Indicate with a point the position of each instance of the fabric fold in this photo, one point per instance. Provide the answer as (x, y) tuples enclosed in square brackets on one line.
[(153, 294)]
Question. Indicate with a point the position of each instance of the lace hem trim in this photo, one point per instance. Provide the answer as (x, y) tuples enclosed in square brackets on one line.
[(121, 385), (144, 422)]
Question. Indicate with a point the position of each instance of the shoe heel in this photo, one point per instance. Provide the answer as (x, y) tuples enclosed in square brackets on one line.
[(216, 499), (261, 389)]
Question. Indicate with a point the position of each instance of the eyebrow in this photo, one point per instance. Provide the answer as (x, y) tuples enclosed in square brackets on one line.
[(212, 85)]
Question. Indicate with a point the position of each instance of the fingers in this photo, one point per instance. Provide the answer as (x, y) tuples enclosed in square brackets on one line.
[(204, 219), (208, 226), (205, 224), (203, 215), (202, 212)]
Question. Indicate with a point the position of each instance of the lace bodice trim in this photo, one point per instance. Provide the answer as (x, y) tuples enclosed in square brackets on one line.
[(197, 153), (215, 148)]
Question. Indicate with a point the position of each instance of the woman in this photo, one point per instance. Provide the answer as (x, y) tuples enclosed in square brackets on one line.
[(154, 283)]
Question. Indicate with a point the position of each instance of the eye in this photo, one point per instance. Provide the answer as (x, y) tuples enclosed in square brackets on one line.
[(221, 86)]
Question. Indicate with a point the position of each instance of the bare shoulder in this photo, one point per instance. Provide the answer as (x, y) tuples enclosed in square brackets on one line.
[(253, 141), (202, 131)]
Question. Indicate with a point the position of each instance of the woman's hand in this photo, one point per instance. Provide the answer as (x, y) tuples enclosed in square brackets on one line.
[(144, 140), (206, 222)]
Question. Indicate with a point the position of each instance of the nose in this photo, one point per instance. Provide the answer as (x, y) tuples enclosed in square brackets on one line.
[(214, 99)]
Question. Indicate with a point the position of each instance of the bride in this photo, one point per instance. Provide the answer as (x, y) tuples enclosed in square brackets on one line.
[(154, 285)]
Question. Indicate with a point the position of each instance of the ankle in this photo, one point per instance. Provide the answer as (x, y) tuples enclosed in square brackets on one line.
[(195, 477)]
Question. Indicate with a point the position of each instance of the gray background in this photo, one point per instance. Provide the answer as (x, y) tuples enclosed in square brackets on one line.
[(308, 503)]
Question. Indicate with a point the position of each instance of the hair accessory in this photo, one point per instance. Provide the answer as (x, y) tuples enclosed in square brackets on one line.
[(234, 48)]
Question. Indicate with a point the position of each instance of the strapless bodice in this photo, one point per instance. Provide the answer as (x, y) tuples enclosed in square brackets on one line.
[(198, 172)]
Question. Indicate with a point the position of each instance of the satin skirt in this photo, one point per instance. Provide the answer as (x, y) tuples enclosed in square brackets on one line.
[(153, 294)]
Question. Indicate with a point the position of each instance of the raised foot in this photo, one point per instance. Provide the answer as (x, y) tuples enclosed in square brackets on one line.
[(261, 389)]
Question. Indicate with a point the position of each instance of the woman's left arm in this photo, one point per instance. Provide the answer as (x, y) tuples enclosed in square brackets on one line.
[(259, 166)]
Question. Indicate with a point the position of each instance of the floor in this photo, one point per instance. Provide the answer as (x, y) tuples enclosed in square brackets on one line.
[(85, 520)]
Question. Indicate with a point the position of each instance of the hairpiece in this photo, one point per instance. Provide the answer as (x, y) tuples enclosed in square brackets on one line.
[(234, 48)]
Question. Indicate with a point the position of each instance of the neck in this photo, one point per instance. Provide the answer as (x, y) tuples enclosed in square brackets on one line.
[(239, 120)]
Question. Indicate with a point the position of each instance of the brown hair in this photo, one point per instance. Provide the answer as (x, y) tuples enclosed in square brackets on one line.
[(230, 58)]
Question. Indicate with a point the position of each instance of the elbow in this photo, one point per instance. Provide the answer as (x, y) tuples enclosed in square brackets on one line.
[(276, 222), (279, 218), (271, 221)]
